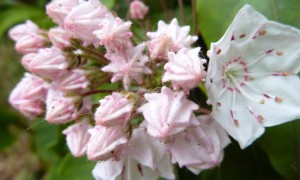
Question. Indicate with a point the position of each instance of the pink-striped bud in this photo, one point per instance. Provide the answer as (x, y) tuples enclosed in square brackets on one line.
[(72, 81), (60, 107), (21, 30), (84, 19), (185, 69), (57, 10), (29, 96), (167, 113), (30, 43), (114, 33), (113, 110), (138, 9), (106, 143), (49, 63), (77, 138), (59, 37)]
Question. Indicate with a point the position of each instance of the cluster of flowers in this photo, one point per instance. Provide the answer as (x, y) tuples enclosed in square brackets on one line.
[(139, 133)]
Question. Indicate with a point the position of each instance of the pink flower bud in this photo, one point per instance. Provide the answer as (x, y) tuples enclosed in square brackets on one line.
[(106, 143), (127, 66), (49, 63), (57, 10), (77, 138), (169, 37), (114, 33), (30, 43), (84, 19), (26, 60), (138, 9), (60, 37), (185, 69), (167, 113), (72, 81), (21, 30), (60, 107), (113, 110), (29, 96), (159, 47)]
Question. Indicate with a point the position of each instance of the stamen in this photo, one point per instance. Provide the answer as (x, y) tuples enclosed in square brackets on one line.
[(260, 118), (235, 121), (262, 32), (218, 51), (242, 36), (281, 74), (276, 98), (241, 90), (279, 53)]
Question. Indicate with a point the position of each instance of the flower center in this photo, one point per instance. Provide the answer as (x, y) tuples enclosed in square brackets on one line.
[(234, 74)]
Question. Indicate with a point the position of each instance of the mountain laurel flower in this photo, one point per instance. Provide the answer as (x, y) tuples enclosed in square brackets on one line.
[(61, 108), (169, 37), (29, 95), (167, 113), (74, 80), (150, 152), (185, 69), (200, 147), (130, 65), (60, 37), (21, 30), (26, 60), (114, 33), (31, 43), (138, 9), (84, 19), (252, 79), (49, 63), (106, 143), (57, 10), (114, 110), (77, 138)]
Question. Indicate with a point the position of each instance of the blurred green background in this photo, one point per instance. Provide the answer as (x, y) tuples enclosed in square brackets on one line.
[(37, 150)]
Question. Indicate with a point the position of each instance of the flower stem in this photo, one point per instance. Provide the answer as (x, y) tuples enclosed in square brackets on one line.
[(195, 16), (182, 12), (96, 92), (166, 9)]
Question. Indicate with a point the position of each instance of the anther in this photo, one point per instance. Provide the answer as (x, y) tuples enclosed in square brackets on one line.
[(278, 99), (218, 51), (279, 53), (242, 36), (262, 101), (236, 122), (262, 32), (260, 118)]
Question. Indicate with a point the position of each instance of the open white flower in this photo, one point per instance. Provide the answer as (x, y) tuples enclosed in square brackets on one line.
[(252, 77)]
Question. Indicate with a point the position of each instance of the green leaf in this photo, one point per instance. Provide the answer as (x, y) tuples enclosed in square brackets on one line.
[(214, 16), (45, 135), (75, 168), (7, 138), (282, 145), (17, 14), (248, 164), (108, 3)]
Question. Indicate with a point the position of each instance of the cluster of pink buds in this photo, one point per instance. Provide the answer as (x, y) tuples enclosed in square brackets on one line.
[(139, 130)]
